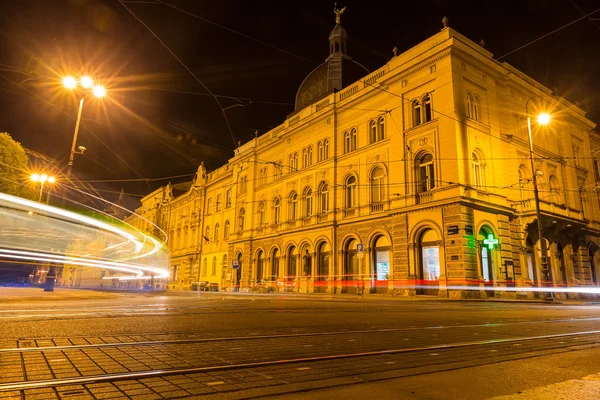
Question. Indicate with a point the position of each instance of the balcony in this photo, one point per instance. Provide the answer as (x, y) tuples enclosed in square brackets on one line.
[(323, 217), (349, 212), (424, 197), (376, 207)]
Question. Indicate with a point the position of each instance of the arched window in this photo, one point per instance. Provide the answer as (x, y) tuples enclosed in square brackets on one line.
[(427, 112), (325, 149), (555, 191), (377, 185), (260, 265), (305, 158), (310, 155), (475, 114), (350, 189), (380, 270), (350, 266), (485, 256), (262, 214), (469, 105), (320, 151), (241, 219), (524, 181), (308, 202), (213, 271), (323, 198), (416, 111), (372, 131), (477, 170), (207, 234), (425, 173), (205, 267), (226, 231), (353, 139), (293, 206), (380, 128), (216, 239), (347, 142), (224, 262), (276, 211), (293, 159)]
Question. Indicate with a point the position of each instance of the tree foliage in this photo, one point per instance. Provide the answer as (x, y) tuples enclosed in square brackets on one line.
[(14, 177)]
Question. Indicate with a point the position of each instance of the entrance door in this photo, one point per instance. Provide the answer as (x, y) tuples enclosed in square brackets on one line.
[(429, 264), (350, 273)]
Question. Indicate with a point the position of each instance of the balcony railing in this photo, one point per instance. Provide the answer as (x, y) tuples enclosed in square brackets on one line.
[(306, 220), (376, 207), (425, 197), (292, 224)]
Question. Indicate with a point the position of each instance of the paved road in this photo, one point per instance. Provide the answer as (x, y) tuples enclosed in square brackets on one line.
[(233, 346)]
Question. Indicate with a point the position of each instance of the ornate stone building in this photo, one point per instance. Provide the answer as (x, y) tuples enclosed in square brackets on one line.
[(412, 179)]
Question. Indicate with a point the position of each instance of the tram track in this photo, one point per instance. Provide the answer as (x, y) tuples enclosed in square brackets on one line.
[(548, 342), (273, 336)]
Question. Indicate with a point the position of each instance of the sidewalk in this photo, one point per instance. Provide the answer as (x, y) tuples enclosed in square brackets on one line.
[(33, 293), (377, 297), (586, 388)]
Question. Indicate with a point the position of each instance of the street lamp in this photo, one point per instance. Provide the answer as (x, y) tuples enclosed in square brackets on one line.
[(43, 178), (542, 119), (86, 83)]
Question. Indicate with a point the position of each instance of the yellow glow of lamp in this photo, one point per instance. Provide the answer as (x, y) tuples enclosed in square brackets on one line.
[(543, 119), (86, 82), (69, 82), (99, 91), (35, 177)]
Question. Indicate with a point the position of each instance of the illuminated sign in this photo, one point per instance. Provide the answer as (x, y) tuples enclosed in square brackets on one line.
[(490, 242)]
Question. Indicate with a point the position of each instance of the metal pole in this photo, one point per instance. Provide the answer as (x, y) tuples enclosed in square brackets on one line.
[(547, 274), (72, 155), (41, 191)]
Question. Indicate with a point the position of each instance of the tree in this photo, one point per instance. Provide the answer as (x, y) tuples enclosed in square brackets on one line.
[(14, 176)]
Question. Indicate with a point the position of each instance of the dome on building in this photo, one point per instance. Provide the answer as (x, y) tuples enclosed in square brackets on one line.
[(335, 73)]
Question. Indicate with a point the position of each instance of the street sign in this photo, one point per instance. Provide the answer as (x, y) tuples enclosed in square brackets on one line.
[(235, 264), (452, 229)]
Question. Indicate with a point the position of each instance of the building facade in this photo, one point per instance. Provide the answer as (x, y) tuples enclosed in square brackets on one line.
[(414, 179)]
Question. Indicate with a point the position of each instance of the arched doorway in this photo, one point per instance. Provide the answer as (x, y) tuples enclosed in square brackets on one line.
[(260, 266), (380, 264), (561, 278), (429, 263), (291, 268), (350, 268), (486, 259), (593, 250), (531, 269), (275, 265), (322, 267)]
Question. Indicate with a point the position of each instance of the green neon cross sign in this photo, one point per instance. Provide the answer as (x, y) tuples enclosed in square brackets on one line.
[(491, 241)]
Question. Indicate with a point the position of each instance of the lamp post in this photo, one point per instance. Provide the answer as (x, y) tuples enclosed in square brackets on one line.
[(86, 83), (43, 178), (542, 119)]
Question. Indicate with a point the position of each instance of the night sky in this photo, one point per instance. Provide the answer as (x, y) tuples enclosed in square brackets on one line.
[(159, 121)]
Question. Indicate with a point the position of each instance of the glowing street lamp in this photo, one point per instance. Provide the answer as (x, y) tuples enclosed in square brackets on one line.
[(86, 83), (43, 178), (542, 119)]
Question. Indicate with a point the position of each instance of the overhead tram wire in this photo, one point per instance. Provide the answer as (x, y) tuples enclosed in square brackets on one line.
[(548, 34), (235, 145)]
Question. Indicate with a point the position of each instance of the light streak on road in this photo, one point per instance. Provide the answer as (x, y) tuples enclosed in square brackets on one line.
[(32, 231)]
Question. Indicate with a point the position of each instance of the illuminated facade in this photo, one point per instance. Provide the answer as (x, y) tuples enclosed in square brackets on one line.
[(391, 183)]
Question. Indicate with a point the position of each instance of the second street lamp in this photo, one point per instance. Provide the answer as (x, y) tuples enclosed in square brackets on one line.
[(43, 178), (87, 84)]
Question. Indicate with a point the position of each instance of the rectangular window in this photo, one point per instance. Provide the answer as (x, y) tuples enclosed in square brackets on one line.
[(277, 169), (218, 203), (209, 206), (243, 184), (596, 171)]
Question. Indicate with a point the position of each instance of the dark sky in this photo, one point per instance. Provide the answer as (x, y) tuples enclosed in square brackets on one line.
[(149, 128)]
